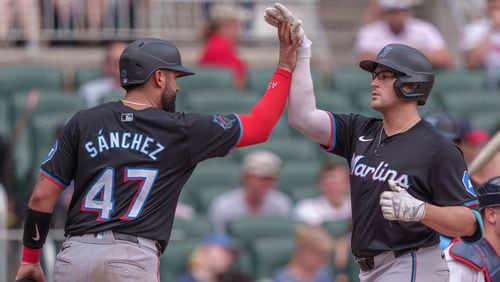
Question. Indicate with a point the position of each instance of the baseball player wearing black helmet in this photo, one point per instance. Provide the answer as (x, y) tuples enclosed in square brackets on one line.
[(408, 183), (129, 161), (480, 262)]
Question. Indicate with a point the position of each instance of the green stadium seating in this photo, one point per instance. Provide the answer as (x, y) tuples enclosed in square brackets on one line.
[(269, 254), (298, 174), (204, 196), (288, 149), (223, 91), (188, 229), (469, 105), (84, 74), (350, 80), (223, 104), (337, 228), (174, 259), (459, 79), (206, 78), (489, 120), (334, 101), (4, 118), (112, 97), (14, 79), (251, 229), (301, 192), (223, 174)]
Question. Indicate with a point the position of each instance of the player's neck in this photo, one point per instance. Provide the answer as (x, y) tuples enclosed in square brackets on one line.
[(400, 120), (138, 101), (492, 238)]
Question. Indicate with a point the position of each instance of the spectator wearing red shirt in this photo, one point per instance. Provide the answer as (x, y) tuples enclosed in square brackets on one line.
[(221, 34)]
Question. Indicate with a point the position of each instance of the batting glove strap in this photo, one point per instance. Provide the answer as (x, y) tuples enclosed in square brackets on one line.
[(36, 228)]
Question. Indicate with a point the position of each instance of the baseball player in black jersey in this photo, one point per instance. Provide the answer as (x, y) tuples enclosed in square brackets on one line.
[(129, 160), (408, 183)]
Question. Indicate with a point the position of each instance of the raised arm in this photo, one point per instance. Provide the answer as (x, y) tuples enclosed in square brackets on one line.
[(302, 112), (257, 125)]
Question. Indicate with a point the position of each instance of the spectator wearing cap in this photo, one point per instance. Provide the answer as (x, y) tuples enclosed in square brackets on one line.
[(310, 261), (480, 262), (258, 195), (212, 260), (397, 25), (220, 35)]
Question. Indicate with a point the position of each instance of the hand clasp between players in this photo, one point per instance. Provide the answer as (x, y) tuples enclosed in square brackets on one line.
[(279, 13), (398, 204)]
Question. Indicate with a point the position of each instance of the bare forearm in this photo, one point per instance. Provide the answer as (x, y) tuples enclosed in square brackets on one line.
[(451, 221), (44, 196)]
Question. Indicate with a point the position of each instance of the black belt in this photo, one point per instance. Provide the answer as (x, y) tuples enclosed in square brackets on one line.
[(368, 263), (135, 240)]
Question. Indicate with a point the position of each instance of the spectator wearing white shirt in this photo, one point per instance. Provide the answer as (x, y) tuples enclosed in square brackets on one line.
[(258, 195), (95, 90), (480, 43), (397, 25), (334, 202)]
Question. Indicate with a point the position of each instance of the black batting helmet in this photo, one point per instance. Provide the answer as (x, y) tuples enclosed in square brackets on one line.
[(488, 193), (412, 67), (144, 56), (445, 124)]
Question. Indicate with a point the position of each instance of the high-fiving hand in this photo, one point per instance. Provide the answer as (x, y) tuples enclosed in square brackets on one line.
[(279, 13), (398, 204)]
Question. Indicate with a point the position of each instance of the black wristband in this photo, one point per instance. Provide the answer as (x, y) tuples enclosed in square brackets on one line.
[(36, 228)]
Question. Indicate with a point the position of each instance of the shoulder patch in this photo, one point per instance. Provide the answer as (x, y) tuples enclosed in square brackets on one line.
[(223, 121), (51, 153), (468, 184)]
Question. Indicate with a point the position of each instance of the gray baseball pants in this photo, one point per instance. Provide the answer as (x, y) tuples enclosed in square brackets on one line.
[(426, 264), (102, 257)]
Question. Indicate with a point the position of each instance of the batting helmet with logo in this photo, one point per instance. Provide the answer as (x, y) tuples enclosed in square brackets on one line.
[(488, 193), (144, 56), (415, 74)]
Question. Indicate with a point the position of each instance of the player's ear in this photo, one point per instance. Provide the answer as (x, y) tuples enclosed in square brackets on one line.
[(159, 78)]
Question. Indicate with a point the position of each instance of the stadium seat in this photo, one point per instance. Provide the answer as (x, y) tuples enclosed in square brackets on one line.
[(489, 120), (195, 228), (206, 78), (335, 101), (223, 91), (302, 192), (469, 105), (14, 79), (223, 174), (350, 80), (223, 104), (459, 79), (269, 254), (298, 174), (204, 196), (84, 74), (174, 259), (337, 227), (112, 97), (288, 149), (4, 118), (252, 229)]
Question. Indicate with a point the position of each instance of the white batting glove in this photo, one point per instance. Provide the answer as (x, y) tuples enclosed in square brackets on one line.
[(398, 204), (278, 13)]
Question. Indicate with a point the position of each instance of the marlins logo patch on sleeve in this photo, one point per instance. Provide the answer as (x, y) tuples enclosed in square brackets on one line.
[(51, 153), (223, 121), (468, 184)]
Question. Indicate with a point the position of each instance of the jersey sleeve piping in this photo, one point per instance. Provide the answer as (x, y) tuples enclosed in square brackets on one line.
[(239, 137), (53, 179), (333, 131), (471, 203)]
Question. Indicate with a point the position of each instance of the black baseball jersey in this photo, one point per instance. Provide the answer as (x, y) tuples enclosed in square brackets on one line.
[(129, 166), (429, 166)]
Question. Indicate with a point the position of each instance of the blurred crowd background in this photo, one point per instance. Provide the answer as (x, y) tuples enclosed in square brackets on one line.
[(277, 211)]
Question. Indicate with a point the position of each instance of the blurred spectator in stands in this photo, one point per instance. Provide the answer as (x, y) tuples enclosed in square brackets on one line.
[(94, 91), (445, 124), (258, 194), (397, 25), (6, 180), (184, 211), (29, 16), (334, 202), (481, 44), (212, 261), (220, 35), (310, 261)]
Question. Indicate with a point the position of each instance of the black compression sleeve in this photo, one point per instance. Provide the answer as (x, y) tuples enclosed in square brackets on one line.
[(36, 228)]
